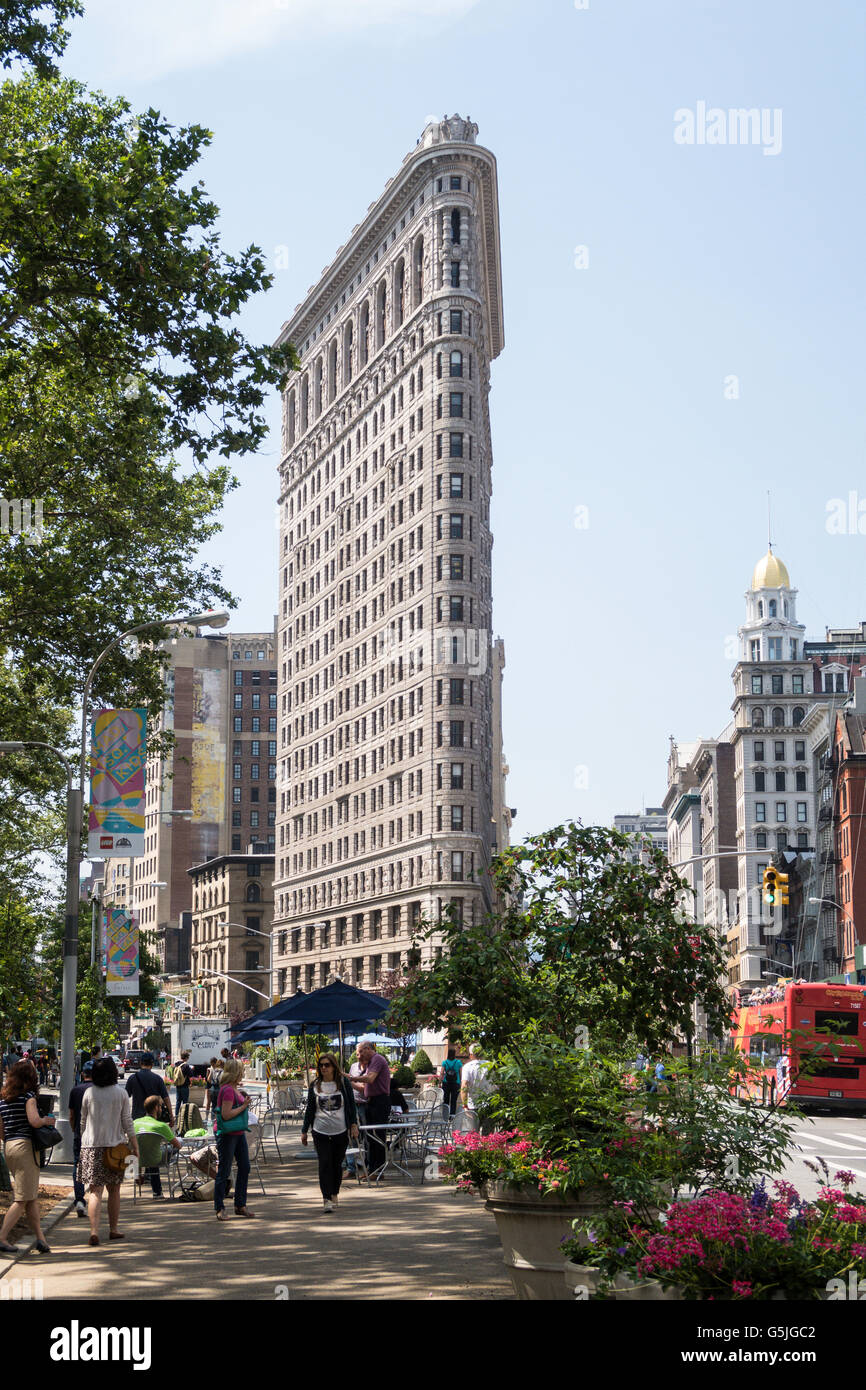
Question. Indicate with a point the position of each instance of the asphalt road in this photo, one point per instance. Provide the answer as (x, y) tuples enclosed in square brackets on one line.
[(839, 1139)]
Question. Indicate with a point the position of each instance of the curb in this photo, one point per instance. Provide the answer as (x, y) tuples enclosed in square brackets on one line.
[(48, 1224)]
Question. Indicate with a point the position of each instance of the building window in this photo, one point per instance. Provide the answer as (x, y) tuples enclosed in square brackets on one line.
[(799, 750), (755, 650), (798, 715), (456, 733), (455, 690), (254, 771), (774, 648), (455, 403), (759, 750), (237, 724), (255, 747), (456, 182), (455, 275), (239, 677), (757, 684), (254, 822), (777, 685), (802, 811), (455, 532), (757, 718), (456, 817), (455, 445), (457, 865), (759, 782), (236, 843), (257, 700), (797, 684), (456, 776), (778, 717), (778, 751), (236, 793), (236, 818), (236, 771), (760, 839), (781, 810), (456, 487), (256, 724), (802, 840), (455, 363), (239, 699), (801, 781), (760, 810), (455, 605), (456, 320), (455, 566)]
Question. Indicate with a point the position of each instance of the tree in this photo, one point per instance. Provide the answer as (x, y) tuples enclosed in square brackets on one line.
[(585, 941), (33, 32)]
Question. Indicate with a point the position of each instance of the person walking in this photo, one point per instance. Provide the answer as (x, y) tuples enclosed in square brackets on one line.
[(232, 1123), (212, 1081), (450, 1074), (106, 1121), (182, 1076), (18, 1114), (374, 1083), (331, 1113), (142, 1084), (474, 1085), (76, 1096)]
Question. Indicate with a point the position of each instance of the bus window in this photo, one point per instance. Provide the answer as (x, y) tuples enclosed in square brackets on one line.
[(766, 1048), (836, 1023)]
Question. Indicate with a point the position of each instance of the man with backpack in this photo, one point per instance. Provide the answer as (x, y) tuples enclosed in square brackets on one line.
[(181, 1077)]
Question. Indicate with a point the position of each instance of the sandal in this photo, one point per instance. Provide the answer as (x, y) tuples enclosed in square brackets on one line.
[(244, 1211), (221, 1216), (94, 1240)]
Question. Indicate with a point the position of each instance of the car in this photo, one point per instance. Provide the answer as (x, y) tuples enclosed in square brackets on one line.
[(132, 1059)]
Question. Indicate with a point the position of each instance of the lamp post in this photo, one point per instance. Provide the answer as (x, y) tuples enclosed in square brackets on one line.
[(216, 618)]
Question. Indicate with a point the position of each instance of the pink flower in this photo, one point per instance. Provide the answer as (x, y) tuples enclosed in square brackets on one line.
[(741, 1288), (844, 1176)]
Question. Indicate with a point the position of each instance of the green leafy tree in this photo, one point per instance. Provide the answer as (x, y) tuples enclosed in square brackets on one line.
[(34, 33), (584, 939)]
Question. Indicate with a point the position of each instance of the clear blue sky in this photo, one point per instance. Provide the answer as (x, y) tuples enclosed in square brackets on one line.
[(705, 262)]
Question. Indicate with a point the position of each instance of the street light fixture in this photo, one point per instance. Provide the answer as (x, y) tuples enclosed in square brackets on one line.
[(213, 618)]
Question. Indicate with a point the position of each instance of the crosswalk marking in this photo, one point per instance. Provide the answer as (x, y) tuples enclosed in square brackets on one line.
[(850, 1136), (825, 1139)]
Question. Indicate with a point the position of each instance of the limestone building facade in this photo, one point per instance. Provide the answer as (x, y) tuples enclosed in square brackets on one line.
[(390, 781)]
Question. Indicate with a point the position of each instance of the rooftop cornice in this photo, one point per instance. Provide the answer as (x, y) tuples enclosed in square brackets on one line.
[(367, 236)]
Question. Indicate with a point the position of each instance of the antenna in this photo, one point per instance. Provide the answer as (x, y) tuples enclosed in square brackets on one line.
[(769, 525)]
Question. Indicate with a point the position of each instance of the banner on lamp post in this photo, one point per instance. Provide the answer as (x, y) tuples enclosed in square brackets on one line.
[(117, 766), (122, 963)]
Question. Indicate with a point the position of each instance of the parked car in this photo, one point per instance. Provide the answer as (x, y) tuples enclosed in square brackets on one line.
[(132, 1059)]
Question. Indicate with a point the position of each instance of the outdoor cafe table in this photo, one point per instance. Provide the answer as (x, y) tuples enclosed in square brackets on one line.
[(411, 1120)]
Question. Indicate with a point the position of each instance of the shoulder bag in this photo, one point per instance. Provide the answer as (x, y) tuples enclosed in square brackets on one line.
[(238, 1125), (116, 1157)]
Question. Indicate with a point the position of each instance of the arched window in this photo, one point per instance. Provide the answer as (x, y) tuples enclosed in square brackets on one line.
[(381, 299), (365, 333), (292, 420), (305, 403), (799, 715), (456, 364), (399, 293), (778, 717), (419, 271), (332, 371), (773, 608), (317, 388), (348, 337), (254, 893), (757, 719), (455, 227)]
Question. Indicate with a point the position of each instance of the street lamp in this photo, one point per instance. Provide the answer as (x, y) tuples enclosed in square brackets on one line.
[(831, 901), (214, 618)]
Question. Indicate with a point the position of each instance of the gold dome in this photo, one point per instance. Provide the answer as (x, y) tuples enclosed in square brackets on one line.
[(770, 573)]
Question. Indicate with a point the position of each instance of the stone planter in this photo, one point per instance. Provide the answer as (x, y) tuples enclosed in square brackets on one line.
[(532, 1227), (578, 1277), (197, 1096)]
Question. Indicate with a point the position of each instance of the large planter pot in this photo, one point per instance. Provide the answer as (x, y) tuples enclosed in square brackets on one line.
[(532, 1227), (649, 1289), (197, 1096), (586, 1277)]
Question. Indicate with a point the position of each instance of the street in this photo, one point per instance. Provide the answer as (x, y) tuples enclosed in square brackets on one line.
[(839, 1139)]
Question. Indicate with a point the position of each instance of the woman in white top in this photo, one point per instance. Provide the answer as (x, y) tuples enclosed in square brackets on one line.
[(106, 1120), (332, 1115)]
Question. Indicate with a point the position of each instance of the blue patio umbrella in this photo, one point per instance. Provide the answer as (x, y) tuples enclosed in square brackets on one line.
[(334, 1004)]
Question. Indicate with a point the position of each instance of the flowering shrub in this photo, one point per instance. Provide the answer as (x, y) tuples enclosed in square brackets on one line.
[(724, 1245), (513, 1156)]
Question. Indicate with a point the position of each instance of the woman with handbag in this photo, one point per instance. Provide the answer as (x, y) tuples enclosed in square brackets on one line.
[(232, 1123), (332, 1115), (107, 1139), (19, 1116)]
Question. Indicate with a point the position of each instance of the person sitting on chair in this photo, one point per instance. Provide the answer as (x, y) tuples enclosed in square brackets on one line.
[(150, 1123)]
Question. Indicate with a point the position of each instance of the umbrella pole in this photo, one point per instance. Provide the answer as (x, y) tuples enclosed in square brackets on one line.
[(342, 1047), (306, 1058)]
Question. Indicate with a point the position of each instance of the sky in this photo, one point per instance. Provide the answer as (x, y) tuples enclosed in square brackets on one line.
[(683, 305)]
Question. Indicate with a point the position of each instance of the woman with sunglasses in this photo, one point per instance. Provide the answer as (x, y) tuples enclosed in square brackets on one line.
[(332, 1114)]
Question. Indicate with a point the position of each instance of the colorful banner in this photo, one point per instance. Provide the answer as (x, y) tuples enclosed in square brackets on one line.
[(122, 972), (117, 767)]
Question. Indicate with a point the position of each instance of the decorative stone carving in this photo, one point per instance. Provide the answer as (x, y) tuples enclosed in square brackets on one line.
[(449, 128)]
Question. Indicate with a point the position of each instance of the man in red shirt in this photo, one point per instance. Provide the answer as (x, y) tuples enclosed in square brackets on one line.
[(374, 1086)]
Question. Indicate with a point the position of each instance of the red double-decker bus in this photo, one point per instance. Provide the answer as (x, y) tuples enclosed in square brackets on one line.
[(806, 1042)]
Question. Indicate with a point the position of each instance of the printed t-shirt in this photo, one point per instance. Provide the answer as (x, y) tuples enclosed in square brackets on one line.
[(330, 1115)]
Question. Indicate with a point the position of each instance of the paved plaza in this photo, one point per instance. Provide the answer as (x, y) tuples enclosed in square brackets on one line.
[(394, 1242)]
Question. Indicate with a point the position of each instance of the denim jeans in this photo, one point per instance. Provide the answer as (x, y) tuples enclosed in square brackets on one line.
[(230, 1146)]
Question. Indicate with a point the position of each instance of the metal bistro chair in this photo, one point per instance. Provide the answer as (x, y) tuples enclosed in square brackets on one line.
[(153, 1153), (272, 1120), (437, 1133), (254, 1146)]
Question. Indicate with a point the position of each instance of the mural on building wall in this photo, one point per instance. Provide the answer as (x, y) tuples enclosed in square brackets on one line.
[(208, 759)]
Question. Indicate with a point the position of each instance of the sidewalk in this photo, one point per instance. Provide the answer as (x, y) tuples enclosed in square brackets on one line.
[(397, 1242)]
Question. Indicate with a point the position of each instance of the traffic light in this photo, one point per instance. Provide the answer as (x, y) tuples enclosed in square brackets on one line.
[(782, 880), (771, 886)]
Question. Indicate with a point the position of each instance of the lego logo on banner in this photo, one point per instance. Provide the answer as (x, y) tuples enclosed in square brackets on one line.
[(106, 841)]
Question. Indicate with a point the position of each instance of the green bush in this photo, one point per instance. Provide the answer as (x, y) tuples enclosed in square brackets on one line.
[(404, 1077), (353, 1059), (421, 1063)]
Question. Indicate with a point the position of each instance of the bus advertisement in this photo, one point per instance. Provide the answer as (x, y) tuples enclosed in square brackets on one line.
[(806, 1042)]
